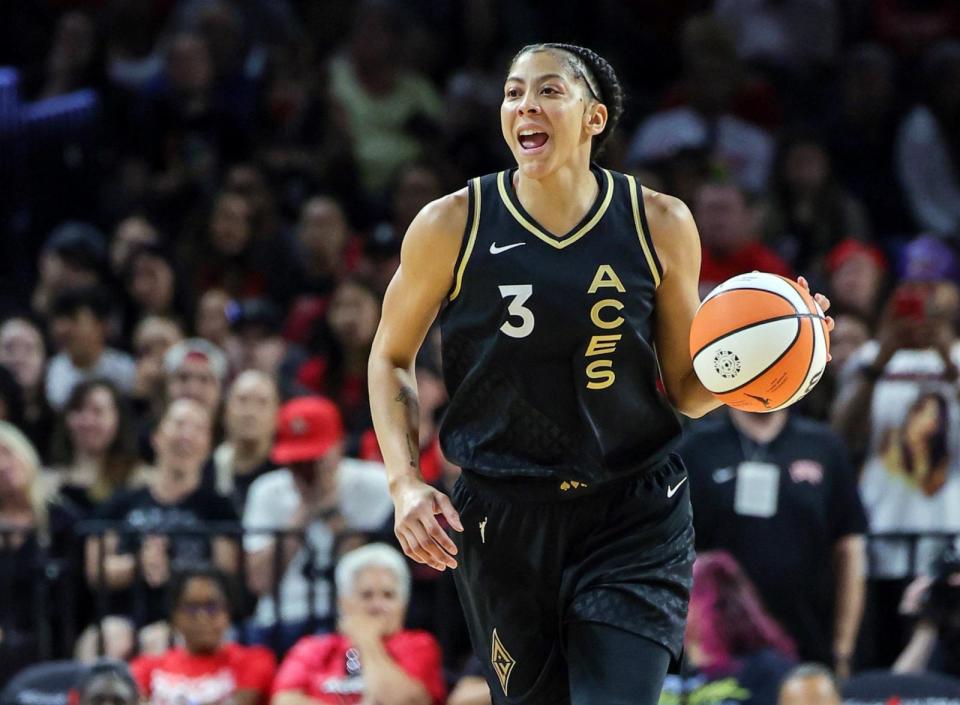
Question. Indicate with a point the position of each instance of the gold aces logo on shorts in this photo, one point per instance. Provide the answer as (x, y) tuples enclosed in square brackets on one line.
[(502, 661)]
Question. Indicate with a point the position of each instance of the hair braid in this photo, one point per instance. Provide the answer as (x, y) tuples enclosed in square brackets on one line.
[(599, 76)]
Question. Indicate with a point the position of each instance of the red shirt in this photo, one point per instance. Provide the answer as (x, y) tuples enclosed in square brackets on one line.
[(715, 270), (179, 677), (328, 668)]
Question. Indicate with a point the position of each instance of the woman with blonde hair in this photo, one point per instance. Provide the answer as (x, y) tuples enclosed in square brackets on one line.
[(35, 532)]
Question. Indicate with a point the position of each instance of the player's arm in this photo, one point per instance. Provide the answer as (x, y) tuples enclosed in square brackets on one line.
[(427, 260), (677, 243)]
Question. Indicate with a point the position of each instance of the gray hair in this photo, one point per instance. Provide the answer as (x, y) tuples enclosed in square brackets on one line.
[(175, 356), (374, 555)]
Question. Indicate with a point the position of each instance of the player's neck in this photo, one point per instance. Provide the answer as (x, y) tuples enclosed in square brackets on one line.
[(759, 428), (560, 200)]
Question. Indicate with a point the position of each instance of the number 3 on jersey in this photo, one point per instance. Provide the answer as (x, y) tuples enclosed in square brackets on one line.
[(516, 309)]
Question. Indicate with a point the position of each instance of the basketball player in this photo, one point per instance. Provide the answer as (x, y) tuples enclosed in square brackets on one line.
[(569, 290)]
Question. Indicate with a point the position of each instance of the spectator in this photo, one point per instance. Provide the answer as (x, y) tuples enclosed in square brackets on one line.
[(249, 422), (73, 257), (707, 123), (898, 407), (934, 600), (73, 61), (304, 142), (322, 236), (339, 370), (154, 285), (196, 369), (228, 257), (857, 278), (108, 683), (257, 344), (793, 36), (97, 446), (319, 493), (390, 111), (809, 684), (730, 237), (809, 211), (850, 332), (862, 132), (150, 518), (212, 319), (249, 180), (35, 528), (205, 668), (152, 338), (23, 352), (131, 233), (928, 164), (186, 134), (417, 184), (79, 325), (730, 639), (370, 658), (762, 481), (11, 398)]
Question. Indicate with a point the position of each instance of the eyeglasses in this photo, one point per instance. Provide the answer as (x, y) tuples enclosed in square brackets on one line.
[(194, 609)]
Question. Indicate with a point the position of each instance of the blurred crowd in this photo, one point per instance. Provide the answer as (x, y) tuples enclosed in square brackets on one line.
[(202, 203)]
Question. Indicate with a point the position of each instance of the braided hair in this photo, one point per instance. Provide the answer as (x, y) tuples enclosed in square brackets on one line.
[(599, 76)]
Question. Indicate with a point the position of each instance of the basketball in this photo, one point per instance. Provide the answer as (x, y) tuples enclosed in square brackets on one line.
[(759, 342)]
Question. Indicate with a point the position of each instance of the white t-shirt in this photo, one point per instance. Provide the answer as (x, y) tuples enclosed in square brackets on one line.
[(365, 505), (63, 375), (901, 491)]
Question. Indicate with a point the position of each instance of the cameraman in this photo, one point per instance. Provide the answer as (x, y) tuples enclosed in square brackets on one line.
[(935, 600)]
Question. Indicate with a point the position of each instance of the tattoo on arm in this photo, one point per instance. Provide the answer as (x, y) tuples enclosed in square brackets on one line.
[(408, 398)]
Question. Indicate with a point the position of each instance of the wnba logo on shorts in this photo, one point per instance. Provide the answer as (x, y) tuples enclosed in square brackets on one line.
[(502, 661)]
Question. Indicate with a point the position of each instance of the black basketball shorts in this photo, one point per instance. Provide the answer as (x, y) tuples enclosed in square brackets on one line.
[(537, 555)]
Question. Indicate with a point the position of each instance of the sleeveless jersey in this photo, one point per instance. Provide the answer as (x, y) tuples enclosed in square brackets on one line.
[(547, 341)]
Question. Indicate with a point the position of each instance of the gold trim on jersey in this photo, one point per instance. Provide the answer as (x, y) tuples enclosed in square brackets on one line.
[(552, 240), (471, 239), (634, 202)]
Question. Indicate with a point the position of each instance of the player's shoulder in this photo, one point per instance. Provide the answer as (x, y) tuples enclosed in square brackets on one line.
[(665, 211), (444, 217)]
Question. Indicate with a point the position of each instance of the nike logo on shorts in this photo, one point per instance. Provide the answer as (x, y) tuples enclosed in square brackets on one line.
[(494, 250), (673, 490)]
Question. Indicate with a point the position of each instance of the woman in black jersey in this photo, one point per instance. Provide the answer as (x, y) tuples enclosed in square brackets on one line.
[(572, 539)]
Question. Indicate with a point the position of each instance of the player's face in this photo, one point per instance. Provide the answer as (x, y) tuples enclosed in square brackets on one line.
[(545, 113)]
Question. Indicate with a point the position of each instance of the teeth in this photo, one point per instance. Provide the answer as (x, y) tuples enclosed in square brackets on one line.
[(527, 133)]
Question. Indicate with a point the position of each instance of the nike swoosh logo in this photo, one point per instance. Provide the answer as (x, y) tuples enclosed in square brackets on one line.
[(673, 490), (494, 250)]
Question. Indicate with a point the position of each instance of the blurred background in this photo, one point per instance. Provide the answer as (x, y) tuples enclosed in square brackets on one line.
[(204, 201)]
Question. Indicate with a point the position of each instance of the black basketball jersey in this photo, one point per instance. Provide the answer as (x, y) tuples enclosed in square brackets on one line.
[(547, 341)]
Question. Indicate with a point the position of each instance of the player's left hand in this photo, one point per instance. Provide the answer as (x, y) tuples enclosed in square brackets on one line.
[(824, 304), (416, 505)]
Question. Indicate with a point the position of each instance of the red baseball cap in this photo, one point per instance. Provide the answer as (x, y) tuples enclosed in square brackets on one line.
[(307, 427), (847, 249)]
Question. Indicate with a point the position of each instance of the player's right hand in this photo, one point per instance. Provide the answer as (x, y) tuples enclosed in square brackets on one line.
[(417, 505)]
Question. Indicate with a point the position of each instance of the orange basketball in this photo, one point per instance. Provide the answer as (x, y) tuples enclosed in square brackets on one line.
[(759, 342)]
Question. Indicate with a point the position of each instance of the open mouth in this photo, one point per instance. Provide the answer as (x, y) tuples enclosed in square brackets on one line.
[(530, 140)]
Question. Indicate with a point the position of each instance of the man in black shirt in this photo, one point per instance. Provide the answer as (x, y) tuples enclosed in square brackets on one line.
[(778, 492)]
